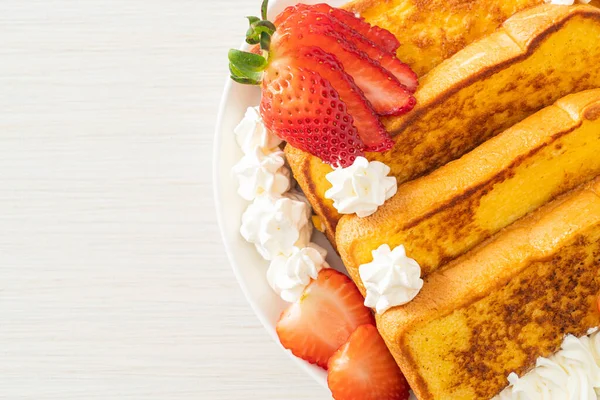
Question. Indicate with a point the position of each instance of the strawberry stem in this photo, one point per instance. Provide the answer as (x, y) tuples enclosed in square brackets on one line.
[(263, 9), (248, 67)]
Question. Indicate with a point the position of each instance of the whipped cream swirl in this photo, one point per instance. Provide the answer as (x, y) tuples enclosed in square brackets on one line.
[(391, 279), (259, 173), (361, 188), (573, 373), (289, 275), (275, 225), (251, 133)]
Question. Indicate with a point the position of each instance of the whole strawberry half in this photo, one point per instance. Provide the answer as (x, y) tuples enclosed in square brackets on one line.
[(329, 310), (364, 369), (326, 76)]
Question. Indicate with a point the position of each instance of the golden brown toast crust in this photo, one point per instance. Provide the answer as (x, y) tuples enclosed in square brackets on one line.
[(480, 91), (433, 30), (303, 167), (442, 215), (502, 305)]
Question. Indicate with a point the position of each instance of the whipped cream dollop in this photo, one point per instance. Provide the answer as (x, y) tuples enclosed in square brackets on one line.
[(391, 279), (567, 2), (573, 373), (361, 188), (251, 133), (275, 225), (259, 173), (289, 275)]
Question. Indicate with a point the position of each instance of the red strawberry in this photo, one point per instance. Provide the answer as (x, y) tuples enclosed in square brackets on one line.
[(305, 110), (379, 36), (325, 76), (364, 369), (370, 129), (389, 61), (385, 92), (324, 317), (363, 42)]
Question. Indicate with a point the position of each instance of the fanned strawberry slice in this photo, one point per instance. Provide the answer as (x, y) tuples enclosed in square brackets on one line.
[(381, 37), (324, 317), (364, 369), (389, 61), (305, 110), (370, 129), (385, 39), (385, 92)]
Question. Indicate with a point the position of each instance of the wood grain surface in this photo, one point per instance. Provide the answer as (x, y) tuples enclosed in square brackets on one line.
[(113, 280)]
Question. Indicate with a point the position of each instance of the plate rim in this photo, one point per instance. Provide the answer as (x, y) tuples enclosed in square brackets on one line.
[(318, 376)]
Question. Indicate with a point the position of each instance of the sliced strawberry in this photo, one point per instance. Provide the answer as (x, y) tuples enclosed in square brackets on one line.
[(305, 110), (385, 92), (388, 60), (370, 129), (285, 14), (364, 369), (329, 310), (381, 37)]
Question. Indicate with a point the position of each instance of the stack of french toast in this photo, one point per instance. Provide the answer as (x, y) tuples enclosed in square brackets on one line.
[(499, 195)]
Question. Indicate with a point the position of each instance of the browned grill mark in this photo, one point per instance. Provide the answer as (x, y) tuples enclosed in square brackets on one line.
[(555, 294)]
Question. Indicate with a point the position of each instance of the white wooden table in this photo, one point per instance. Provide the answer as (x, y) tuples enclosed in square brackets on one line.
[(113, 280)]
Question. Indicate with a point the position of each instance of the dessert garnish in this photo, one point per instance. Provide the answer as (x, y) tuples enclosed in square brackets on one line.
[(391, 279), (251, 133), (326, 76), (289, 275), (364, 369), (323, 318), (259, 173), (275, 225), (361, 188)]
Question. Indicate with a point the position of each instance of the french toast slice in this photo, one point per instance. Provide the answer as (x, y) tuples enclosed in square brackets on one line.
[(442, 215), (502, 305), (538, 56), (433, 30)]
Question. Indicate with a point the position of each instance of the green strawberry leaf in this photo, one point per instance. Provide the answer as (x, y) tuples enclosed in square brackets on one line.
[(265, 41), (253, 20), (246, 61), (246, 67), (235, 71), (256, 30), (252, 37), (265, 26), (244, 81)]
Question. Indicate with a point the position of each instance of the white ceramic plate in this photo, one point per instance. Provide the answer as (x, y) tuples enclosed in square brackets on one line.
[(249, 268)]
